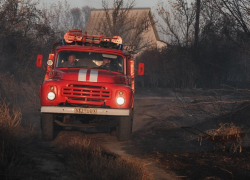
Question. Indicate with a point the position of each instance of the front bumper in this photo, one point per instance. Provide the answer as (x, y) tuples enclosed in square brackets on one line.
[(80, 110)]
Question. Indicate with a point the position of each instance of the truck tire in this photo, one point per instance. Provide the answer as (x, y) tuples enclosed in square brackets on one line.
[(124, 128), (47, 122)]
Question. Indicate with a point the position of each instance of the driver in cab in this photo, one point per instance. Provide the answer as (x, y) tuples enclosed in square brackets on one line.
[(106, 64), (71, 61)]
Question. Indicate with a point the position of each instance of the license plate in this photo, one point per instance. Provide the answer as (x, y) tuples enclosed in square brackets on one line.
[(85, 111)]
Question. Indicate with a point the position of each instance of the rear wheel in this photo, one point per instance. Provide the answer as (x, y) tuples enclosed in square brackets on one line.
[(124, 128), (47, 122)]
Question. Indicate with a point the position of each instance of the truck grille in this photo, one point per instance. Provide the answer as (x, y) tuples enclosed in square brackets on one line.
[(86, 93)]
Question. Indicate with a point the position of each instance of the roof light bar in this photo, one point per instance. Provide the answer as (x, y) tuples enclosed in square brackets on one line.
[(75, 35)]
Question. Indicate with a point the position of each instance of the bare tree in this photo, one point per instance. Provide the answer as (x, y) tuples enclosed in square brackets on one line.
[(235, 16), (238, 10), (179, 18), (86, 10), (18, 15), (77, 18), (60, 17), (123, 21), (226, 31), (197, 23)]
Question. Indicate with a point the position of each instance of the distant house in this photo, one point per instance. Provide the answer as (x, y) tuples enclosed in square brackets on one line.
[(138, 29)]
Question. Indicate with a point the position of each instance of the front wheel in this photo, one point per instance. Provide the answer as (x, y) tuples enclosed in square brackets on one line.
[(47, 122), (124, 128)]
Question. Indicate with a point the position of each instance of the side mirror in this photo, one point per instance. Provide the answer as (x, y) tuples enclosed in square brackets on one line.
[(141, 69), (51, 57), (39, 60)]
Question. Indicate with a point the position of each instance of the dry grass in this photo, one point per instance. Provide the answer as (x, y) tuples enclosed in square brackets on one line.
[(13, 142), (9, 120), (17, 91), (91, 162), (225, 132), (225, 129)]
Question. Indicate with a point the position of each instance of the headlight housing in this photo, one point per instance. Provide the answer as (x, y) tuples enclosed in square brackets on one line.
[(120, 100), (51, 96)]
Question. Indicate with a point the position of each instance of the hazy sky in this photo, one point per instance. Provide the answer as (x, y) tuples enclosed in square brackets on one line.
[(98, 3)]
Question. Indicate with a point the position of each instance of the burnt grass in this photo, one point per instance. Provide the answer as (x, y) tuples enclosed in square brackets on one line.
[(213, 164), (208, 165), (189, 159)]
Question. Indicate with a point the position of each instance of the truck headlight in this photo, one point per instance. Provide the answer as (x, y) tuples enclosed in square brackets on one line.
[(120, 100), (51, 96)]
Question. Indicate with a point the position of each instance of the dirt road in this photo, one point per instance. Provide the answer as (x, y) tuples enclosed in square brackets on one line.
[(158, 118), (151, 110)]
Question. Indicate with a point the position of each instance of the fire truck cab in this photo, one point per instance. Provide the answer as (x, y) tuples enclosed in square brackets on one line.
[(89, 79)]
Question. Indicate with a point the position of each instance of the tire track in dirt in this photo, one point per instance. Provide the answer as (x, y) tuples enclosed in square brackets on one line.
[(150, 111), (127, 150)]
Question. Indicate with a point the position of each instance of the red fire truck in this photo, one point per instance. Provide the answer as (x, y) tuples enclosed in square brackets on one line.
[(89, 79)]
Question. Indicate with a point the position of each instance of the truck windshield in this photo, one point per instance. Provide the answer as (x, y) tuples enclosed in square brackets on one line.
[(78, 59)]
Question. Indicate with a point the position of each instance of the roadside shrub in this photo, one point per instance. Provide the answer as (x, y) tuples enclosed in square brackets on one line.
[(13, 142), (171, 67), (17, 92), (92, 163)]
